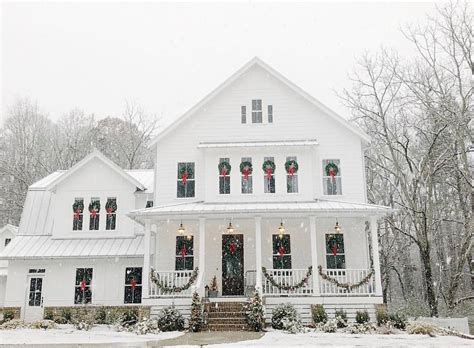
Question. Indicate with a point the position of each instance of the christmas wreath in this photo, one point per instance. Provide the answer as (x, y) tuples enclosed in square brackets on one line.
[(246, 169), (291, 167), (185, 173), (231, 246), (293, 287), (348, 286), (77, 208), (269, 168), (224, 168), (164, 286), (331, 170), (94, 208), (111, 207), (333, 244)]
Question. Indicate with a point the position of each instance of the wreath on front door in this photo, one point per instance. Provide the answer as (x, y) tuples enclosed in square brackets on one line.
[(231, 246)]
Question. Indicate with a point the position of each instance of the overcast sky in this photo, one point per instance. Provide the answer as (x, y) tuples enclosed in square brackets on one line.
[(167, 56)]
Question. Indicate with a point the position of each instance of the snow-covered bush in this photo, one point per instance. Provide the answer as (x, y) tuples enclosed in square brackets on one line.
[(381, 316), (330, 325), (255, 312), (8, 315), (170, 319), (420, 328), (146, 326), (399, 321), (48, 314), (341, 318), (362, 328), (285, 317), (66, 314), (100, 316), (13, 324), (129, 317), (83, 325), (43, 324), (362, 317), (196, 320), (319, 314)]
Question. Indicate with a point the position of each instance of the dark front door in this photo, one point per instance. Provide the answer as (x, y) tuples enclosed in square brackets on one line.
[(232, 265)]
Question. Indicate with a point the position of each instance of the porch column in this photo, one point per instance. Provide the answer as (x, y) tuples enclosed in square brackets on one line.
[(314, 255), (146, 260), (202, 254), (375, 255), (258, 250)]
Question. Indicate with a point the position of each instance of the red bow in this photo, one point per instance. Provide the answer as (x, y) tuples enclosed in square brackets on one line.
[(281, 251), (109, 211), (332, 173), (183, 252), (246, 172), (93, 213), (291, 170), (269, 172), (133, 283), (184, 177), (77, 214), (83, 284), (224, 172), (232, 248), (334, 249)]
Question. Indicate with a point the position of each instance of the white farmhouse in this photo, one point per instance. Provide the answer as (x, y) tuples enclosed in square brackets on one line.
[(7, 233), (259, 185)]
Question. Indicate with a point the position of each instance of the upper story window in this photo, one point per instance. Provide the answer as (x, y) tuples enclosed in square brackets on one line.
[(184, 253), (78, 216), (94, 214), (243, 114), (291, 168), (83, 288), (133, 285), (257, 111), (335, 256), (224, 168), (111, 210), (186, 180), (7, 241), (269, 175), (332, 177), (246, 171), (149, 204), (270, 113), (281, 251)]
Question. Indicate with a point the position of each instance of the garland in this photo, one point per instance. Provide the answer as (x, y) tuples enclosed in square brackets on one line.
[(185, 173), (246, 169), (269, 168), (155, 278), (331, 170), (299, 285), (291, 167), (348, 286), (224, 168), (111, 207)]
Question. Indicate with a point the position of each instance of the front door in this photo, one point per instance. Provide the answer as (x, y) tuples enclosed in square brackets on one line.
[(232, 265), (34, 298)]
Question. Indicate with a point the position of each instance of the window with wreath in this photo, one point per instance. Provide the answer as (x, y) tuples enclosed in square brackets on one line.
[(111, 210), (269, 174), (133, 285), (246, 175), (186, 180), (335, 256), (78, 214), (332, 177), (224, 168), (184, 253), (83, 288), (281, 251), (291, 168), (257, 111), (94, 214)]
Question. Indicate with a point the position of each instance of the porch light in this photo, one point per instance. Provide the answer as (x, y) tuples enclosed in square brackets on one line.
[(281, 230), (230, 228), (337, 228), (189, 237), (181, 229)]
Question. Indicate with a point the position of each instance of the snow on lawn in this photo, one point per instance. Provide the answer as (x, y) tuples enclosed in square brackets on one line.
[(67, 334), (318, 339)]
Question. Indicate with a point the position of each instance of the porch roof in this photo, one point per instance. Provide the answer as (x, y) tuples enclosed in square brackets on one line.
[(46, 247), (319, 207)]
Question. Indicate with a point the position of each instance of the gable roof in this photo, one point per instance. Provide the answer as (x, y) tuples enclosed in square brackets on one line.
[(258, 62)]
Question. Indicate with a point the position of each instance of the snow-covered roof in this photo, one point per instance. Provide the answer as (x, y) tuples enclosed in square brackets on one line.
[(9, 228), (258, 144), (33, 247), (145, 176)]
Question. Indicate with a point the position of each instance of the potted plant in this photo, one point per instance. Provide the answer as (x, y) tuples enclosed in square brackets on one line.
[(213, 287)]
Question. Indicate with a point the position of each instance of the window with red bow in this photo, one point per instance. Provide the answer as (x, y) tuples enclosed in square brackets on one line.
[(224, 176), (78, 216), (111, 213), (184, 253), (332, 177), (281, 251), (246, 173), (335, 256), (269, 175), (133, 285), (186, 180), (291, 167), (83, 289), (94, 214)]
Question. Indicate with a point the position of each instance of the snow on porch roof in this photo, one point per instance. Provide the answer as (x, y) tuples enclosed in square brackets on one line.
[(44, 247), (258, 143)]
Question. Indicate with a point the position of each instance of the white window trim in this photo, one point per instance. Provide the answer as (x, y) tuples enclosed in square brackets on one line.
[(343, 254), (324, 176), (195, 182)]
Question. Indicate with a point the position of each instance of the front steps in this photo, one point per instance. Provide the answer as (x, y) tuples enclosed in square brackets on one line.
[(225, 316)]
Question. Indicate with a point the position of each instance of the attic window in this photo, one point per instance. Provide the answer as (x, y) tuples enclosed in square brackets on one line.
[(257, 111)]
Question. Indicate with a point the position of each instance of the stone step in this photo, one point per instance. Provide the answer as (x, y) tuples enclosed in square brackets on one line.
[(239, 321), (225, 309), (227, 327), (226, 315)]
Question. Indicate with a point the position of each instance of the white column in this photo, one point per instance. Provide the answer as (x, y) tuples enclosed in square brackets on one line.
[(258, 250), (375, 255), (314, 255), (146, 260), (202, 255)]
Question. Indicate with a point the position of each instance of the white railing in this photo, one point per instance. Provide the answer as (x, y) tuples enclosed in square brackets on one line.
[(352, 276), (286, 278), (171, 279)]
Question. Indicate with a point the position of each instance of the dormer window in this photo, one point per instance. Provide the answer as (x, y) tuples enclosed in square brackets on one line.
[(111, 210), (94, 210), (78, 217), (257, 111)]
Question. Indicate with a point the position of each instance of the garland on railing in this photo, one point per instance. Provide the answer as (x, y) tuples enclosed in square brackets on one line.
[(348, 286), (155, 278), (296, 286)]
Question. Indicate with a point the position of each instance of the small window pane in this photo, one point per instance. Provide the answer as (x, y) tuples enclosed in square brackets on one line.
[(243, 112), (270, 113)]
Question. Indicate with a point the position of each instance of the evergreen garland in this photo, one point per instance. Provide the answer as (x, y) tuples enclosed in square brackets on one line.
[(155, 278), (347, 286), (296, 286)]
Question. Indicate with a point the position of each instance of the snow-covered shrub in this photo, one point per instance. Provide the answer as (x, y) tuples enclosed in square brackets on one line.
[(362, 317), (382, 316), (66, 314), (8, 315), (255, 312), (48, 315), (43, 324), (196, 320), (113, 317), (146, 326), (330, 325), (319, 314), (285, 317), (420, 328), (362, 328), (170, 319), (13, 324), (129, 317), (399, 321), (100, 316), (83, 325), (341, 318)]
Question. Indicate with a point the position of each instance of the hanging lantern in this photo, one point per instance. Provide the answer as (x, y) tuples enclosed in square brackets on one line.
[(281, 230), (337, 228), (230, 228), (181, 229)]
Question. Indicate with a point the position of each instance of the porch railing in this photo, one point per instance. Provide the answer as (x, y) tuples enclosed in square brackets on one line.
[(286, 278), (171, 279), (352, 276)]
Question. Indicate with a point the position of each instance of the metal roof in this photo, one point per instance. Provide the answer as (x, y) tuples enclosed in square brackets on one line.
[(259, 143), (45, 247)]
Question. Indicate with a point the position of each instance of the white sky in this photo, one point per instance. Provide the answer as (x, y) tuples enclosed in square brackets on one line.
[(167, 56)]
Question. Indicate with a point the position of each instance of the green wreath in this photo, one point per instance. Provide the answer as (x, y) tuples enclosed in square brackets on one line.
[(78, 205), (268, 164), (95, 205), (331, 167), (246, 166), (111, 206), (184, 169), (291, 167), (224, 167)]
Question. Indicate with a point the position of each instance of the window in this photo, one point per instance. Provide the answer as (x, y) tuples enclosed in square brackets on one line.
[(35, 293), (94, 210), (270, 113), (269, 177), (257, 111), (78, 216), (185, 180), (35, 270), (133, 285), (224, 177), (149, 204), (246, 171), (184, 253), (332, 177), (83, 290), (281, 251), (243, 113), (7, 241), (335, 257), (291, 175), (111, 210)]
